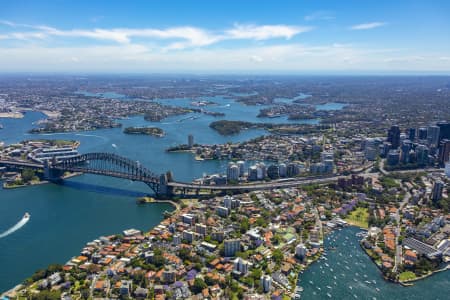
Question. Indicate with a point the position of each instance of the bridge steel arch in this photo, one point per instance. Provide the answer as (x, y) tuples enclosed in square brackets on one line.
[(110, 164)]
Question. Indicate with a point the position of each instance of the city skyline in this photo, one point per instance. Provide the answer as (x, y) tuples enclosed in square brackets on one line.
[(287, 37)]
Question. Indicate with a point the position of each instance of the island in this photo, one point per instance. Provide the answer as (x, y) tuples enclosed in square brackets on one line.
[(155, 131)]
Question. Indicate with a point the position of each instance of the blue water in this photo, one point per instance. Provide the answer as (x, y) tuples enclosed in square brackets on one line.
[(361, 269), (64, 218)]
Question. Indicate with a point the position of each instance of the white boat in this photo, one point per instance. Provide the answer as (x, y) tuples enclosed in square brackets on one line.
[(329, 295), (377, 289), (328, 286), (367, 281), (350, 287), (26, 216)]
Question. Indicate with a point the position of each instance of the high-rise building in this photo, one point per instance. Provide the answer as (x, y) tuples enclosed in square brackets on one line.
[(292, 169), (266, 283), (241, 265), (393, 157), (253, 173), (190, 141), (300, 251), (273, 171), (444, 130), (233, 172), (422, 153), (241, 165), (227, 201), (394, 136), (282, 169), (261, 171), (433, 135), (422, 135), (447, 169), (200, 229), (405, 148), (411, 134), (438, 188), (231, 247), (169, 275), (444, 151)]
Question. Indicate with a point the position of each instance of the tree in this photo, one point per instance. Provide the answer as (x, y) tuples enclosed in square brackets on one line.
[(28, 175), (47, 295), (199, 285), (277, 256), (245, 225)]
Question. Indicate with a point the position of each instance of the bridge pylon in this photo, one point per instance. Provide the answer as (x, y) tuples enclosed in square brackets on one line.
[(50, 173), (164, 188)]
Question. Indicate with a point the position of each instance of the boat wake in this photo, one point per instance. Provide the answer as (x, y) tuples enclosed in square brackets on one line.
[(16, 227), (92, 135)]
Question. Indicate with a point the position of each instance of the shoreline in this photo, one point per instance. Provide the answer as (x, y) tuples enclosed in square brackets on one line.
[(12, 292), (405, 283), (12, 115), (145, 200), (41, 182)]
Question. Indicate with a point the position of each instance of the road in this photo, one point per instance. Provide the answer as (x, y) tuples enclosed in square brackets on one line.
[(398, 248)]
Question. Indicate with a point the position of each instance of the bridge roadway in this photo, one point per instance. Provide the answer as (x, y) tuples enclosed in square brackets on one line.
[(19, 163), (255, 186), (136, 176)]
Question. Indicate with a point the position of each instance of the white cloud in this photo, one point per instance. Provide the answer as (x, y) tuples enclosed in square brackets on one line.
[(259, 58), (265, 32), (186, 36), (366, 26)]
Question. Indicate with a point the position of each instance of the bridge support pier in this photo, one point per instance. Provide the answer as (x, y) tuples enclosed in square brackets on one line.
[(164, 189), (52, 174)]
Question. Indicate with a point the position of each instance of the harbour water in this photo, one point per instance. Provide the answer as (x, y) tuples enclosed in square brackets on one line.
[(348, 273), (65, 217)]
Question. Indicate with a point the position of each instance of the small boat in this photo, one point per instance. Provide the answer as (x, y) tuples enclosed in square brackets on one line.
[(26, 216), (329, 295), (318, 288), (350, 287), (377, 289), (329, 287), (311, 282), (368, 282)]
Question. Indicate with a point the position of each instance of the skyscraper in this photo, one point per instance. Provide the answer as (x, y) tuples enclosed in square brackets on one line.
[(444, 151), (422, 135), (394, 136), (444, 130), (411, 134), (433, 136), (190, 141), (436, 194), (233, 172)]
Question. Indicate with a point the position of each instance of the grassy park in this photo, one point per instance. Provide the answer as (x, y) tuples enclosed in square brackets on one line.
[(359, 217)]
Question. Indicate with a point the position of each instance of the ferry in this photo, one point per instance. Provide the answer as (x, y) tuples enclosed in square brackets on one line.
[(26, 216)]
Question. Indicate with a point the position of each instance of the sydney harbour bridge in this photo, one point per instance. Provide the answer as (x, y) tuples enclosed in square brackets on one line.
[(113, 165)]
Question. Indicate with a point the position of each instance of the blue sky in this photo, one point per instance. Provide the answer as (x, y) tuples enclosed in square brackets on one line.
[(309, 36)]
